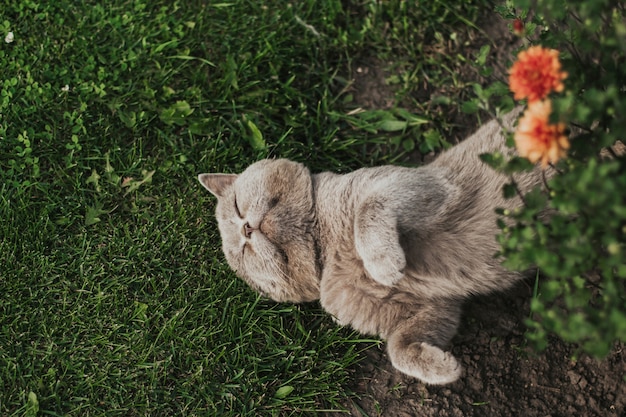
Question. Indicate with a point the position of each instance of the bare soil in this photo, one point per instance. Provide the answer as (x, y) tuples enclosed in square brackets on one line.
[(503, 375)]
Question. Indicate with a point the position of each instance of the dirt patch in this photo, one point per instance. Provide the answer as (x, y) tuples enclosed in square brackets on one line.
[(503, 376), (369, 88)]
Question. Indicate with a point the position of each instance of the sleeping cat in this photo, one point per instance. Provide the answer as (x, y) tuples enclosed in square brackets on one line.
[(390, 251)]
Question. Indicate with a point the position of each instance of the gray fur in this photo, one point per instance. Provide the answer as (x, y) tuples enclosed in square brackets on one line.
[(390, 251)]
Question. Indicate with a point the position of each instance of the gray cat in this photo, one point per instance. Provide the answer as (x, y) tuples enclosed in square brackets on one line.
[(390, 251)]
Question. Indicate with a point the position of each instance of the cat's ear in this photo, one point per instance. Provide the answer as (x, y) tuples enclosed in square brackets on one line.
[(217, 184)]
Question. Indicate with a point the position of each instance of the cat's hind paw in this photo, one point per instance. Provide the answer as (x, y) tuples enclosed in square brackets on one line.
[(427, 363)]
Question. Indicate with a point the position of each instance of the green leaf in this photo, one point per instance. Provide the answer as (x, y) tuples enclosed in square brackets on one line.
[(497, 88), (32, 406), (408, 145), (494, 160), (283, 392), (411, 118), (509, 191), (201, 127), (128, 118), (392, 125), (192, 58), (94, 179), (92, 215), (481, 58), (171, 44), (176, 113), (256, 137), (517, 164), (470, 107), (432, 140), (134, 185), (182, 107)]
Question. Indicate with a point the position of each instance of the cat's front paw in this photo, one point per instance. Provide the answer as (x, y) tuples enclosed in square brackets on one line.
[(385, 268), (428, 363)]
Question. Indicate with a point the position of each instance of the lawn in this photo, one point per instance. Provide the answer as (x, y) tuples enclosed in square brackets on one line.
[(115, 298)]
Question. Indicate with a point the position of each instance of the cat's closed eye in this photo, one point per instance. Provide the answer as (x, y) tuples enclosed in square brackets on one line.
[(237, 209), (273, 202)]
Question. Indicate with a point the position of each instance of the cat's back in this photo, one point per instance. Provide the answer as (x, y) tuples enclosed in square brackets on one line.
[(462, 166)]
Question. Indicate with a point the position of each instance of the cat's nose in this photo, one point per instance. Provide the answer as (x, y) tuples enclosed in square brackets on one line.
[(247, 230)]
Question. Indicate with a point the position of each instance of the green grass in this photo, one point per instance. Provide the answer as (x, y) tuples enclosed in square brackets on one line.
[(114, 296)]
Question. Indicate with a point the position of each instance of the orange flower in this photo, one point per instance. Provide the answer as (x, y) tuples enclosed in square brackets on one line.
[(536, 73), (538, 140)]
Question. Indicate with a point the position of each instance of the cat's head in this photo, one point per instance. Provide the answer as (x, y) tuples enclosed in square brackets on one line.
[(266, 218)]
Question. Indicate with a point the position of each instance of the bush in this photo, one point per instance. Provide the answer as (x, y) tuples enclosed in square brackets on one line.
[(581, 248)]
